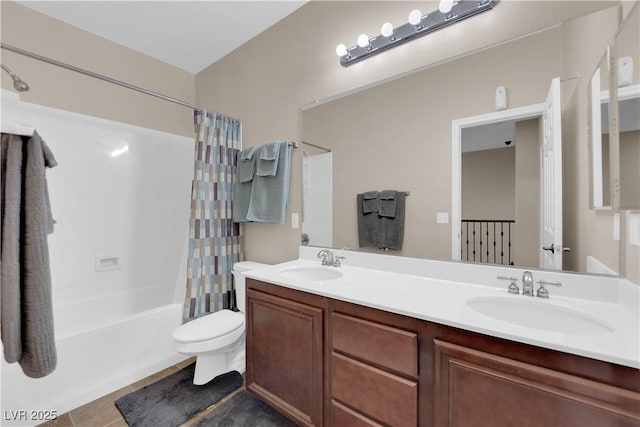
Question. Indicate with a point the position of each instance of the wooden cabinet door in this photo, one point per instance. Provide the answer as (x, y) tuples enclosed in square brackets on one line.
[(285, 356), (474, 388)]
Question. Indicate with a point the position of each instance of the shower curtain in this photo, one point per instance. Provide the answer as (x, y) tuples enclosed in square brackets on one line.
[(214, 239)]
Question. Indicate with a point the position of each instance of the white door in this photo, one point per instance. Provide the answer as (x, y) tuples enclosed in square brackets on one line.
[(551, 186)]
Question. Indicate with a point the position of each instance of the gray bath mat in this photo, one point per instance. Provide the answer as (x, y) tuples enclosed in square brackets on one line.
[(244, 410), (174, 399)]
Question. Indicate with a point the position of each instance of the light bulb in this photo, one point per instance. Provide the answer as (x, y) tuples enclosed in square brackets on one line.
[(445, 6), (341, 50), (363, 40), (386, 29), (415, 17)]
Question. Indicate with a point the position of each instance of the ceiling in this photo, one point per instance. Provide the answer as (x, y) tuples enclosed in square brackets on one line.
[(190, 35)]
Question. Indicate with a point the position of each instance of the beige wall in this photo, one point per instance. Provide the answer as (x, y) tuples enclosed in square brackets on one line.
[(293, 63), (489, 184), (67, 90), (527, 203)]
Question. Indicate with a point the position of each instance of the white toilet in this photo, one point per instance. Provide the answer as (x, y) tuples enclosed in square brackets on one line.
[(217, 339)]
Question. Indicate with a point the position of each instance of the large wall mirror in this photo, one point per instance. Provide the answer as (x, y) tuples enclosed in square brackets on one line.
[(398, 136)]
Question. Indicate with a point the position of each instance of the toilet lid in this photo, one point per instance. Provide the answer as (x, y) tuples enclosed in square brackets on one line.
[(209, 326)]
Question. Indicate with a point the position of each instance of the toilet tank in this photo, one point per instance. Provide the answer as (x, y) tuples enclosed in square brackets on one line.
[(239, 270)]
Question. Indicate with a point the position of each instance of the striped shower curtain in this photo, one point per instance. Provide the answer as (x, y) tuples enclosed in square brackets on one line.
[(214, 239)]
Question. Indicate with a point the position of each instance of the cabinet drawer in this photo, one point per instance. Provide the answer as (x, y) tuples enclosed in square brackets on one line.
[(388, 398), (343, 416), (388, 347)]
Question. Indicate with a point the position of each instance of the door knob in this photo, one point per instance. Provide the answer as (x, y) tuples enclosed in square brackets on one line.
[(552, 248)]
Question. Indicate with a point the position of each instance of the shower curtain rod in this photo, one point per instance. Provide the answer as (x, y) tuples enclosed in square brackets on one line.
[(97, 76), (328, 150)]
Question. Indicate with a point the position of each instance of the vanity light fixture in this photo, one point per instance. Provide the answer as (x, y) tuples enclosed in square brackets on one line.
[(449, 12)]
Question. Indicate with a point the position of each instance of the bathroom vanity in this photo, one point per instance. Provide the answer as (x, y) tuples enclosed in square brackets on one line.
[(357, 346)]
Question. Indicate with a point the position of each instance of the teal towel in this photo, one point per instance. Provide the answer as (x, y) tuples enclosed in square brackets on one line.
[(270, 194), (241, 200), (246, 164), (268, 158), (242, 187)]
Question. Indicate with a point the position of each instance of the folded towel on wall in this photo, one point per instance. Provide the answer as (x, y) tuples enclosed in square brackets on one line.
[(387, 203), (268, 158), (25, 277), (370, 233), (270, 193), (369, 202)]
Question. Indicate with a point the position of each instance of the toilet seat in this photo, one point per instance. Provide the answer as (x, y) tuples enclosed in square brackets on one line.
[(209, 327)]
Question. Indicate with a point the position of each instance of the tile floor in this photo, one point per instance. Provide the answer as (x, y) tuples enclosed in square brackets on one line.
[(102, 412)]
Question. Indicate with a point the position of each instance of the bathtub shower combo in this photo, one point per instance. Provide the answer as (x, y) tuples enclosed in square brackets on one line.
[(117, 255)]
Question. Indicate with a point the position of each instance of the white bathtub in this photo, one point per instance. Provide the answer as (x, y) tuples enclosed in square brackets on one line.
[(92, 363)]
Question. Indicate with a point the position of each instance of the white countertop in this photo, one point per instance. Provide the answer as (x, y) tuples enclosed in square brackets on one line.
[(445, 301)]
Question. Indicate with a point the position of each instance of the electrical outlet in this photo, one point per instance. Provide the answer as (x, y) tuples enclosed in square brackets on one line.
[(295, 220), (442, 217)]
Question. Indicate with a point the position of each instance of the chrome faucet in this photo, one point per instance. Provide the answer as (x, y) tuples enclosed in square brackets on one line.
[(328, 258), (513, 288), (527, 283), (542, 291)]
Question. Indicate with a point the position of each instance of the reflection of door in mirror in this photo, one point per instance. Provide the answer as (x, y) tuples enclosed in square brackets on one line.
[(317, 199)]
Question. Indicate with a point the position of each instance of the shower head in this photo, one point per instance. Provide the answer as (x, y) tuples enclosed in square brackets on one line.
[(19, 84)]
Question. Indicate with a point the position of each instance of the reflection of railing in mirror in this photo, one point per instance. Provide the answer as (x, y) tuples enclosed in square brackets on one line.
[(488, 241)]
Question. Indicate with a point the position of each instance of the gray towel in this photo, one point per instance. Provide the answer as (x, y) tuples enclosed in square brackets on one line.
[(370, 233), (27, 313), (268, 158), (387, 203), (369, 202), (393, 228)]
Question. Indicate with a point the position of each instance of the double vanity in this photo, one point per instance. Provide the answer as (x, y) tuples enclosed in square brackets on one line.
[(384, 340)]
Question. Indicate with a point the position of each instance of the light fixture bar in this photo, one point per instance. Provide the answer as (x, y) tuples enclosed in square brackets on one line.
[(429, 23)]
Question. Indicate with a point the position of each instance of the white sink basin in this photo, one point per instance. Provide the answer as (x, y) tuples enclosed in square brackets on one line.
[(311, 273), (536, 314)]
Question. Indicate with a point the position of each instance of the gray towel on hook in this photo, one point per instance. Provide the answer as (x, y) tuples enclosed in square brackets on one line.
[(387, 203), (25, 277), (369, 202), (370, 233)]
